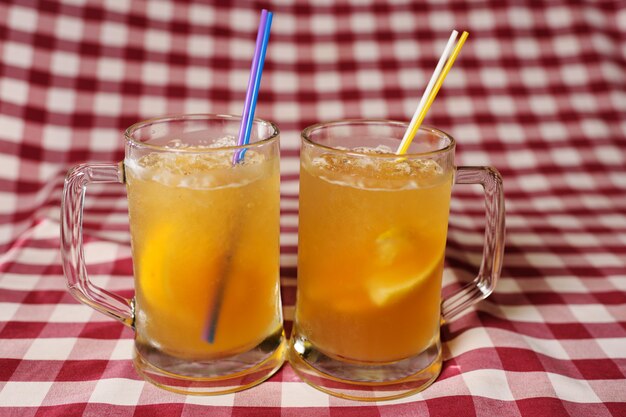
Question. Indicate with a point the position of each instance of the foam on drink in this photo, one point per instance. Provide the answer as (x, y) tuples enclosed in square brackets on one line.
[(198, 167), (383, 172)]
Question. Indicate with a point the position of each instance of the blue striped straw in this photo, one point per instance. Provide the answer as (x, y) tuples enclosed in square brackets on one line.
[(254, 83), (245, 129)]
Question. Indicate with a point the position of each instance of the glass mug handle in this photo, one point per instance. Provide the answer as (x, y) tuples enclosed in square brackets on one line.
[(491, 264), (72, 252)]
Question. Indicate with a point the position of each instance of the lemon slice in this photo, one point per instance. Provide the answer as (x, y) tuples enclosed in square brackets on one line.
[(401, 265), (384, 289)]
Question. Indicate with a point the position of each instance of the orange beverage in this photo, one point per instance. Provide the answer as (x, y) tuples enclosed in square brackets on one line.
[(200, 230), (372, 237), (204, 226), (371, 244)]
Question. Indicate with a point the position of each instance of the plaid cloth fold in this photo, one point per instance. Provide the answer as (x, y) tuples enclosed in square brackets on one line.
[(538, 91)]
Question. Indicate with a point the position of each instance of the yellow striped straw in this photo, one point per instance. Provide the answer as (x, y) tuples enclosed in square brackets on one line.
[(412, 130)]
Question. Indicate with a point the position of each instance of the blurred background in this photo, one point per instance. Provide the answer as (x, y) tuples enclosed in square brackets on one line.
[(538, 90)]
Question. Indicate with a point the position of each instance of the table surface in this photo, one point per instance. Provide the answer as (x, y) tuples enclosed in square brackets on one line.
[(539, 91)]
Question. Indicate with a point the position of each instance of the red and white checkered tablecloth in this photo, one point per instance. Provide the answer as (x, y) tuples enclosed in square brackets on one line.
[(539, 91)]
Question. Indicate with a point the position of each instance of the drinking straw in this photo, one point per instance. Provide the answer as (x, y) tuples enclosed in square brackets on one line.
[(424, 105), (442, 60), (254, 83)]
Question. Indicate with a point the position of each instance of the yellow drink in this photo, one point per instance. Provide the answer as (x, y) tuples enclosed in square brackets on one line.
[(372, 238), (199, 224)]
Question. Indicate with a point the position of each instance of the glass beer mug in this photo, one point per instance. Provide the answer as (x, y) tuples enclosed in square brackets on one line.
[(371, 245), (204, 224)]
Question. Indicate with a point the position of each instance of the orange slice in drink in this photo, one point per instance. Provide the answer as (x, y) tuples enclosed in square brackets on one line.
[(156, 287), (175, 271), (401, 265)]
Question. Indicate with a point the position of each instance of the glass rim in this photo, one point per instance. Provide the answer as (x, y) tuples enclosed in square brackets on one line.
[(305, 135), (128, 133)]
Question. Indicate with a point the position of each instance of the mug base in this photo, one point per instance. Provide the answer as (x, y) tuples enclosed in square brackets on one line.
[(364, 381), (215, 377)]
